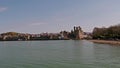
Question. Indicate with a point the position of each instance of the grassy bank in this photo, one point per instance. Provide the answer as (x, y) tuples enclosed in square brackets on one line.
[(106, 42)]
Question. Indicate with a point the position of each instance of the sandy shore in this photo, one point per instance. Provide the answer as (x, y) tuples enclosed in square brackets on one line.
[(106, 42)]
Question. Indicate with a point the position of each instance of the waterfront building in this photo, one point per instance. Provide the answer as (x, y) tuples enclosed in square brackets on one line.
[(79, 34)]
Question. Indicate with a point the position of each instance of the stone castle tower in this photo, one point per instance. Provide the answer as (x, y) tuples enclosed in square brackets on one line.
[(78, 33)]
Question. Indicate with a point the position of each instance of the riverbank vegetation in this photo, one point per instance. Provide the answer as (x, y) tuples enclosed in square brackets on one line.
[(110, 33)]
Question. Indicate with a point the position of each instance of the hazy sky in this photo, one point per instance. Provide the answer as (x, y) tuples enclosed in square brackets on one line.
[(36, 16)]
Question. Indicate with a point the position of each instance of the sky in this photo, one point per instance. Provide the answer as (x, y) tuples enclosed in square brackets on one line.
[(37, 16)]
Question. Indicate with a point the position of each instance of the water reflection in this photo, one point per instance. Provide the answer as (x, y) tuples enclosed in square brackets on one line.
[(60, 54)]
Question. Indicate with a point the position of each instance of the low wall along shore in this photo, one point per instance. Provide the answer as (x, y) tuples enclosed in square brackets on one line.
[(106, 42)]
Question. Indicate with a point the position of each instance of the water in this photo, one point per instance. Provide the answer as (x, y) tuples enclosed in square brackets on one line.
[(58, 54)]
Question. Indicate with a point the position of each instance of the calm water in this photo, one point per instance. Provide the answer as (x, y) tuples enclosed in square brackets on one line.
[(58, 54)]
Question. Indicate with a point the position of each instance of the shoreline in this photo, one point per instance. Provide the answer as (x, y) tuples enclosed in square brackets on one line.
[(112, 42), (106, 42)]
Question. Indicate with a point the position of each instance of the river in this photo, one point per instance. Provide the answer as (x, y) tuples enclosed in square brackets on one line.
[(58, 54)]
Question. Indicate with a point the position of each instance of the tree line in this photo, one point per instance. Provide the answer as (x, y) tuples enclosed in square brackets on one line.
[(110, 33)]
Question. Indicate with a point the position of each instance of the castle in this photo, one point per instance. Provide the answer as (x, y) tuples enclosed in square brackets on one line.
[(76, 34), (79, 34)]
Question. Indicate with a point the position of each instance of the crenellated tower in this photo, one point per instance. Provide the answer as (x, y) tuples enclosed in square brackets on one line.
[(78, 33)]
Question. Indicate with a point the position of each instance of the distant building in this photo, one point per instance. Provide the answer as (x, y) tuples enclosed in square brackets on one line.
[(75, 34), (4, 37), (64, 35), (79, 34)]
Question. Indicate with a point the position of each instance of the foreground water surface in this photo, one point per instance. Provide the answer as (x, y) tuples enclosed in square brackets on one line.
[(58, 54)]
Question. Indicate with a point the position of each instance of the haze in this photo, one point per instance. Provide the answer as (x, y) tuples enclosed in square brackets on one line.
[(37, 16)]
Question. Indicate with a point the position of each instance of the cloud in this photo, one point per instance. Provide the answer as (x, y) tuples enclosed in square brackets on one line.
[(2, 9), (37, 24)]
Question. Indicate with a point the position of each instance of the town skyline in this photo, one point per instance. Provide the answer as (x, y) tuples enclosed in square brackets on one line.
[(53, 16), (75, 34)]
